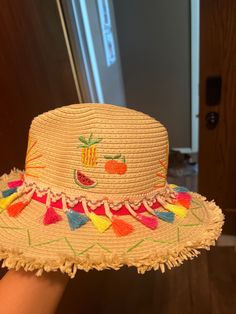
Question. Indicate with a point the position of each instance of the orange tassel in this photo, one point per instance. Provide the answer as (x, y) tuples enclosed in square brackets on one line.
[(15, 209), (184, 199), (121, 227)]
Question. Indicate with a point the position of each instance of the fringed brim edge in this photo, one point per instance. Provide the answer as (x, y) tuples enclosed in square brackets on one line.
[(161, 259)]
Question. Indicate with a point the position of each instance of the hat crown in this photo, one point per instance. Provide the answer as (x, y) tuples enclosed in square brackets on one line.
[(97, 151)]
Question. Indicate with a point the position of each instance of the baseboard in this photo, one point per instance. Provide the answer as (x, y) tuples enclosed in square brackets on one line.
[(226, 240)]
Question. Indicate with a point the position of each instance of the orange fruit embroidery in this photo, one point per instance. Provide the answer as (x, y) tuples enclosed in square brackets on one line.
[(121, 168), (115, 165), (110, 166)]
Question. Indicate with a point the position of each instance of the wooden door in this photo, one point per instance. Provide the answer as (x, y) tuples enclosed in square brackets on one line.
[(35, 72), (218, 99)]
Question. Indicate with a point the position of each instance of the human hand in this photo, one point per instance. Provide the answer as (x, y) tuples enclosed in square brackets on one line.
[(23, 293)]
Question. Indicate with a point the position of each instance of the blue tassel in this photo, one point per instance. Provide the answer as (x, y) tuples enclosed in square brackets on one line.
[(8, 192), (181, 189), (76, 220), (166, 216)]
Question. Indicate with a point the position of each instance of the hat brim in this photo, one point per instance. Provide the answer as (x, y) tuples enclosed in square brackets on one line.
[(25, 242)]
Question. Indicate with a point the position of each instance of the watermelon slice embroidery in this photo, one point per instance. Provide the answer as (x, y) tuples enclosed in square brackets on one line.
[(83, 181)]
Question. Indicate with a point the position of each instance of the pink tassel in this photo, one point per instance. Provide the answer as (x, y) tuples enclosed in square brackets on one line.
[(15, 184), (184, 199), (121, 227), (51, 216), (150, 222), (15, 209)]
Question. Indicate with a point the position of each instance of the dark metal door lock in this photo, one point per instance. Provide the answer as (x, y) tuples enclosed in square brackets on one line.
[(213, 90), (212, 119)]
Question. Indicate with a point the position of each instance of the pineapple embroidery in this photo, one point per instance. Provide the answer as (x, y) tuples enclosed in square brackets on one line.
[(89, 154)]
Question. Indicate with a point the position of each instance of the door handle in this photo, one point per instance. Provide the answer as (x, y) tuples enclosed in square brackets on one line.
[(212, 119)]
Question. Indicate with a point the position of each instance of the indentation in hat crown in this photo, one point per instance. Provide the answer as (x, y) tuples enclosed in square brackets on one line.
[(97, 149)]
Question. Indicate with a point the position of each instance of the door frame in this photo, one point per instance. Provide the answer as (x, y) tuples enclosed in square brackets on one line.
[(77, 33), (195, 69)]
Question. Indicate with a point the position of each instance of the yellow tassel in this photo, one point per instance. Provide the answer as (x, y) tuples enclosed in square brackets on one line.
[(5, 202), (102, 224), (177, 209)]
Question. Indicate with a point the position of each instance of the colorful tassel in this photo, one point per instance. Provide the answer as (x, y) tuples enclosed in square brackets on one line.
[(173, 186), (100, 223), (51, 216), (8, 192), (180, 189), (177, 209), (75, 219), (5, 202), (166, 216), (150, 222), (121, 227), (15, 209), (184, 199), (15, 184)]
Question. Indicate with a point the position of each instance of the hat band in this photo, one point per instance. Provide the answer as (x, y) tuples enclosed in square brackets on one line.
[(153, 200), (98, 209)]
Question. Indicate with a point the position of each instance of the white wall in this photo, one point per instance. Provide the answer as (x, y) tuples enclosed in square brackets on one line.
[(155, 48)]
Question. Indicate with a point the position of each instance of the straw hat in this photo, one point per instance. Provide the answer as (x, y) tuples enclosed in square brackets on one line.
[(94, 195)]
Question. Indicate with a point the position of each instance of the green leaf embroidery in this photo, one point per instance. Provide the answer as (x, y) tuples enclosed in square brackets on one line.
[(90, 141), (90, 137), (83, 140), (93, 142), (108, 157), (115, 157)]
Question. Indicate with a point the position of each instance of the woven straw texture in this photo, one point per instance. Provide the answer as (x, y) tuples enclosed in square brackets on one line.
[(139, 138), (55, 152)]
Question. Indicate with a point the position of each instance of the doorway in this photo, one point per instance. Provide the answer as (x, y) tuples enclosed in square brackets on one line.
[(146, 58), (159, 48)]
